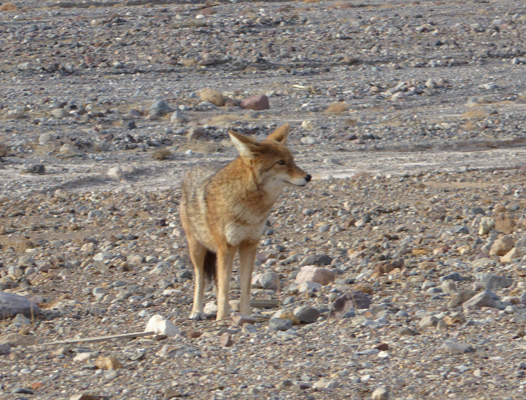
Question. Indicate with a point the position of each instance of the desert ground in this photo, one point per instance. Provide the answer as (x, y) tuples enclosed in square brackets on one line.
[(409, 115)]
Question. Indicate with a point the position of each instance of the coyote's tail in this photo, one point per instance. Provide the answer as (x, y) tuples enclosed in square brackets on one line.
[(210, 266)]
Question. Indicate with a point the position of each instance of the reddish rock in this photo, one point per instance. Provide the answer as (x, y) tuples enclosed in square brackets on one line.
[(192, 334), (318, 275), (226, 340), (256, 102)]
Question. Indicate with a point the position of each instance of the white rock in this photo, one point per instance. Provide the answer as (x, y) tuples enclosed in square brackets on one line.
[(308, 125), (116, 173), (380, 394), (210, 308), (161, 326), (84, 356), (46, 138)]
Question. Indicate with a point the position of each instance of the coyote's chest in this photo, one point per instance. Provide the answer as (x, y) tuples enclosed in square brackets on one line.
[(248, 226)]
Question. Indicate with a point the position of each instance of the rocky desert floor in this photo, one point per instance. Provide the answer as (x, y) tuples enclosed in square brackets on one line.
[(397, 273)]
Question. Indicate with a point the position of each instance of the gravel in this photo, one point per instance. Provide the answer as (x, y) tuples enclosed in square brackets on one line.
[(409, 117)]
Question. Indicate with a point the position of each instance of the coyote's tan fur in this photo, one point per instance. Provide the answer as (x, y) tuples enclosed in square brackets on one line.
[(223, 211)]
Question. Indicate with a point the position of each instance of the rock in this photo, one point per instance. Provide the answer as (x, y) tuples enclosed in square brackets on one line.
[(161, 326), (256, 102), (287, 314), (68, 150), (16, 339), (308, 140), (225, 340), (319, 260), (455, 276), (501, 246), (513, 254), (178, 117), (45, 138), (196, 133), (3, 149), (460, 298), (325, 384), (521, 244), (386, 267), (210, 308), (213, 96), (428, 321), (380, 394), (170, 393), (504, 223), (309, 286), (318, 275), (115, 173), (487, 224), (205, 106), (448, 286), (307, 314), (13, 304), (59, 113), (308, 125), (5, 349), (107, 363), (484, 299), (493, 282), (450, 346), (278, 324), (482, 264), (241, 319), (405, 331), (159, 108), (454, 319), (20, 319), (267, 280), (355, 299)]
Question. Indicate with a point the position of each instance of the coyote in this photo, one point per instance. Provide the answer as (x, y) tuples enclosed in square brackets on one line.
[(224, 211)]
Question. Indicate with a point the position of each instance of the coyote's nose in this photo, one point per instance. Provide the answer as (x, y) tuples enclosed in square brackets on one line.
[(308, 178)]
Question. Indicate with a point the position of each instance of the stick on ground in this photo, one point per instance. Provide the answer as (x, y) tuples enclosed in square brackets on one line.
[(102, 338)]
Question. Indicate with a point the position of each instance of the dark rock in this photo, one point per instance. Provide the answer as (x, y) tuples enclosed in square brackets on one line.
[(346, 302), (318, 259), (307, 314), (277, 324), (12, 304)]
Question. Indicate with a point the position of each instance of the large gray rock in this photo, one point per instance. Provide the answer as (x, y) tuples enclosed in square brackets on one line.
[(493, 282), (307, 314), (278, 324), (160, 107), (13, 304), (484, 299), (267, 280)]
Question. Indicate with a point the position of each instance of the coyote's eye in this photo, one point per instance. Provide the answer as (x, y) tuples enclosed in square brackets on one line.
[(280, 162)]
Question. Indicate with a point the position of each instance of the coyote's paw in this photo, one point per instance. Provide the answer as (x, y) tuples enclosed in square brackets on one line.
[(198, 316)]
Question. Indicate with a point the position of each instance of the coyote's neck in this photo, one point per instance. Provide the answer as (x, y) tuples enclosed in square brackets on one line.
[(249, 189)]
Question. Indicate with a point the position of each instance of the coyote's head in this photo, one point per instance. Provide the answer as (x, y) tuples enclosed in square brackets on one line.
[(270, 161)]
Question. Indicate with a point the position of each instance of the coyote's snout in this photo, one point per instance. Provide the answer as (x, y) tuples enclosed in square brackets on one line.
[(224, 210)]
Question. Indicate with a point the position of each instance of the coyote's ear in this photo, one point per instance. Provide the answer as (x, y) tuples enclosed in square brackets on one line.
[(280, 134), (247, 147)]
